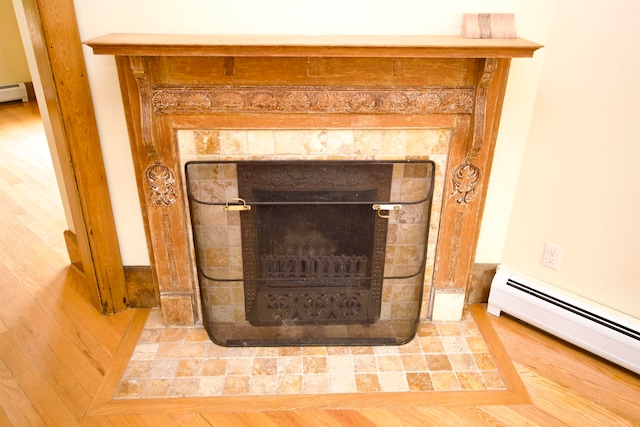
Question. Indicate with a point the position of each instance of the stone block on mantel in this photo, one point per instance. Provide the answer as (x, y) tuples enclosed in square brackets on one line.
[(488, 26)]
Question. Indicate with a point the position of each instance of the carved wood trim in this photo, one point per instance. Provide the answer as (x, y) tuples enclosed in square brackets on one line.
[(296, 99), (139, 73), (480, 108), (162, 183), (465, 179)]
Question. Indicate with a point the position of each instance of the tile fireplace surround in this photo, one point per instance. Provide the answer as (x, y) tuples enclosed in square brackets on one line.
[(233, 98)]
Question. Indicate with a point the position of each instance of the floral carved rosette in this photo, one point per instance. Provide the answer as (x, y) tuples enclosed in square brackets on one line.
[(465, 179), (162, 182)]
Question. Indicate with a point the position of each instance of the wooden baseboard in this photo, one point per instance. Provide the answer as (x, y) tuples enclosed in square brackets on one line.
[(140, 287), (72, 249), (31, 93), (143, 294), (481, 278)]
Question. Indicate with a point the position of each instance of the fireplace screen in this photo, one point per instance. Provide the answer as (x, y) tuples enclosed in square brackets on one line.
[(310, 253)]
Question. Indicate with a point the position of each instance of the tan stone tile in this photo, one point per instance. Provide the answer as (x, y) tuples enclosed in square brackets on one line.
[(469, 329), (314, 365), (289, 365), (462, 362), (150, 335), (438, 362), (289, 384), (343, 383), (236, 385), (412, 347), (263, 385), (238, 352), (449, 329), (419, 381), (339, 364), (445, 381), (484, 361), (174, 335), (314, 351), (471, 380), (145, 351), (393, 142), (338, 350), (390, 363), (197, 334), (210, 386), (361, 350), (265, 366), (315, 384), (233, 142), (156, 387), (431, 345), (290, 351), (414, 363), (128, 389), (365, 363), (206, 142), (239, 366), (493, 380), (216, 258), (169, 350), (386, 351), (260, 142), (163, 368), (189, 368), (393, 382), (443, 141), (477, 345), (428, 330), (266, 352), (137, 369), (184, 387), (455, 345), (194, 350), (214, 367), (367, 383)]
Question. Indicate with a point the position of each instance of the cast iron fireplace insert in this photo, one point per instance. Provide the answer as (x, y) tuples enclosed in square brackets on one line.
[(310, 252)]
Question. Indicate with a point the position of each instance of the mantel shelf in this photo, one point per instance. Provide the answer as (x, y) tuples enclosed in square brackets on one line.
[(123, 44)]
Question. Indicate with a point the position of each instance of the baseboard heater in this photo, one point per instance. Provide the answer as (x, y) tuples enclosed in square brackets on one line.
[(601, 332), (13, 92)]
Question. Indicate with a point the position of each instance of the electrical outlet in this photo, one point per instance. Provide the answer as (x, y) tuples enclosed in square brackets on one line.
[(552, 255)]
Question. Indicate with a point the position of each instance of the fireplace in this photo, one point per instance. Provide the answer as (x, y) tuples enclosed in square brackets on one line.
[(314, 241), (239, 101)]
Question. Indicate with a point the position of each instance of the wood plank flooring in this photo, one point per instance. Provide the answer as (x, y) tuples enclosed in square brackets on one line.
[(56, 351)]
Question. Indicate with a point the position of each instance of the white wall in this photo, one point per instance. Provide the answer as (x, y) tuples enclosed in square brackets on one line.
[(13, 63), (579, 185), (98, 17)]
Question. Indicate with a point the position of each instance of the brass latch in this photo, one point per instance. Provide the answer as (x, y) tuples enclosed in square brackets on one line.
[(243, 206), (389, 208)]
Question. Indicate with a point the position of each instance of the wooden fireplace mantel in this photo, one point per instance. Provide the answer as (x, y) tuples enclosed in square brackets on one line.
[(123, 44), (173, 82)]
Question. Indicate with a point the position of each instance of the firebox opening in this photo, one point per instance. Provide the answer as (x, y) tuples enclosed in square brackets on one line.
[(295, 253)]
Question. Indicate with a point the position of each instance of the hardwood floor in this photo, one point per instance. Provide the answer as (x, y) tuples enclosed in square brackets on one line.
[(56, 351)]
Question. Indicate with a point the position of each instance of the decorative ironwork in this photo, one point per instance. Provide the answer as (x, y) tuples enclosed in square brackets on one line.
[(312, 100), (465, 179), (304, 268), (310, 306), (162, 182), (346, 268)]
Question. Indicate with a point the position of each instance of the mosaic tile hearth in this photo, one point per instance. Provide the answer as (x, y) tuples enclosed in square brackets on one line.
[(183, 362)]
